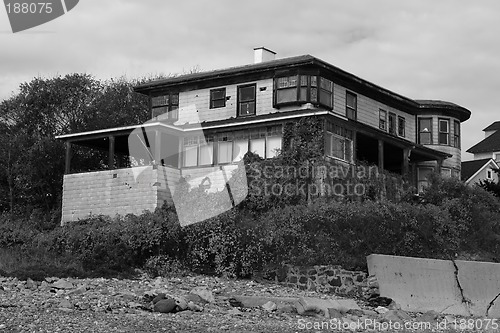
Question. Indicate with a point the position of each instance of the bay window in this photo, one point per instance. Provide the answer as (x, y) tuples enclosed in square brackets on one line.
[(456, 134), (444, 131), (300, 88)]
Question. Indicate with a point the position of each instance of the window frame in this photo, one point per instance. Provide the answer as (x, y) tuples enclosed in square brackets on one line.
[(447, 132), (352, 109), (382, 121), (489, 174), (420, 131), (456, 134), (308, 89), (254, 100), (213, 100), (334, 131), (392, 123), (172, 108), (401, 130)]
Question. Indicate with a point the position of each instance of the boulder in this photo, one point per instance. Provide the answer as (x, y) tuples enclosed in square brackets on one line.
[(166, 305), (62, 284), (429, 317), (158, 298), (204, 293), (194, 307), (270, 306), (181, 303), (396, 316), (318, 305)]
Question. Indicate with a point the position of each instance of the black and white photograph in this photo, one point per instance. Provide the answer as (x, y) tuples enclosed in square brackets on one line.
[(260, 166)]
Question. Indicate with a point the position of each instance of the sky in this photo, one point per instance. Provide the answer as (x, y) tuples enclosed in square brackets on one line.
[(422, 49)]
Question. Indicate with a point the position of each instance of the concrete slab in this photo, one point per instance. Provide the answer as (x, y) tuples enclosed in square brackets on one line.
[(450, 287)]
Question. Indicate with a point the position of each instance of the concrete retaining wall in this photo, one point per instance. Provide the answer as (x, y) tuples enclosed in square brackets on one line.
[(451, 287)]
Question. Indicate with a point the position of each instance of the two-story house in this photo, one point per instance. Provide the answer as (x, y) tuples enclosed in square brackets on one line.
[(204, 123), (486, 157)]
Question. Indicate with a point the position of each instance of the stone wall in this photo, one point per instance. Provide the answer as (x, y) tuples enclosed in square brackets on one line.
[(325, 279)]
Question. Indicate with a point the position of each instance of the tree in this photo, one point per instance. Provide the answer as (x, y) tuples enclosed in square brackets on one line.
[(491, 186)]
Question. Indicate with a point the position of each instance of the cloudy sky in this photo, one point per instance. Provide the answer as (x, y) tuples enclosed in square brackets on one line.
[(422, 49)]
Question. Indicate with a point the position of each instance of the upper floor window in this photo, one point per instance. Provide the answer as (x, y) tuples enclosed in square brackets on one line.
[(299, 89), (489, 174), (382, 122), (217, 98), (425, 131), (444, 132), (392, 123), (165, 106), (351, 105), (456, 134), (246, 100), (401, 126)]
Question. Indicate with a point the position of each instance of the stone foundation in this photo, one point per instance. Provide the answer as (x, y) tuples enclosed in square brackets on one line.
[(325, 279)]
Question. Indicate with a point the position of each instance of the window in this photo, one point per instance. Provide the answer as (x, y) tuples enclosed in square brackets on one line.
[(300, 89), (217, 98), (225, 148), (401, 126), (165, 106), (392, 123), (198, 151), (191, 151), (423, 178), (246, 100), (351, 105), (444, 131), (382, 123), (338, 142), (456, 134), (446, 172), (286, 89), (489, 174), (425, 131)]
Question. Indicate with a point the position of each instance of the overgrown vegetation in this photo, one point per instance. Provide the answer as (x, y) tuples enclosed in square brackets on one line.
[(288, 216)]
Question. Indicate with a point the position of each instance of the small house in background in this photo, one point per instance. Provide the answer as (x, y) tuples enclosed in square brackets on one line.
[(476, 171), (202, 124), (486, 157)]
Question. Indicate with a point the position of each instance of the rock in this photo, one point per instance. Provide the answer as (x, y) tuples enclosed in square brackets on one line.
[(375, 301), (197, 299), (370, 313), (429, 317), (204, 293), (134, 305), (181, 303), (78, 291), (44, 285), (381, 310), (334, 313), (65, 304), (394, 306), (62, 284), (30, 284), (194, 307), (270, 306), (318, 305), (396, 316), (159, 297), (235, 311), (166, 305), (286, 308), (356, 312)]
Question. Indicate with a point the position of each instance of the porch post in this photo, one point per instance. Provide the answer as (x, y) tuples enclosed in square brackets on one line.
[(67, 169), (439, 165), (380, 155), (406, 162), (111, 156), (354, 147)]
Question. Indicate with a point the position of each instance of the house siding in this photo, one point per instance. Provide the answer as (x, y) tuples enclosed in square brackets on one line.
[(482, 175), (113, 192)]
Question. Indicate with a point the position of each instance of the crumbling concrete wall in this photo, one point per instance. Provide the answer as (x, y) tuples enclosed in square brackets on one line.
[(446, 286)]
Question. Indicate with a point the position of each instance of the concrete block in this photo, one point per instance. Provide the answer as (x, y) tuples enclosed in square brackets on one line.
[(452, 287)]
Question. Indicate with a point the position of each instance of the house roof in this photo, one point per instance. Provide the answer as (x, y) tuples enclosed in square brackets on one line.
[(493, 127), (470, 168), (210, 78), (489, 144)]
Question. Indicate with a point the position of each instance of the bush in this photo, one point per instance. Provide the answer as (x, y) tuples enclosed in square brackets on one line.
[(165, 266)]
